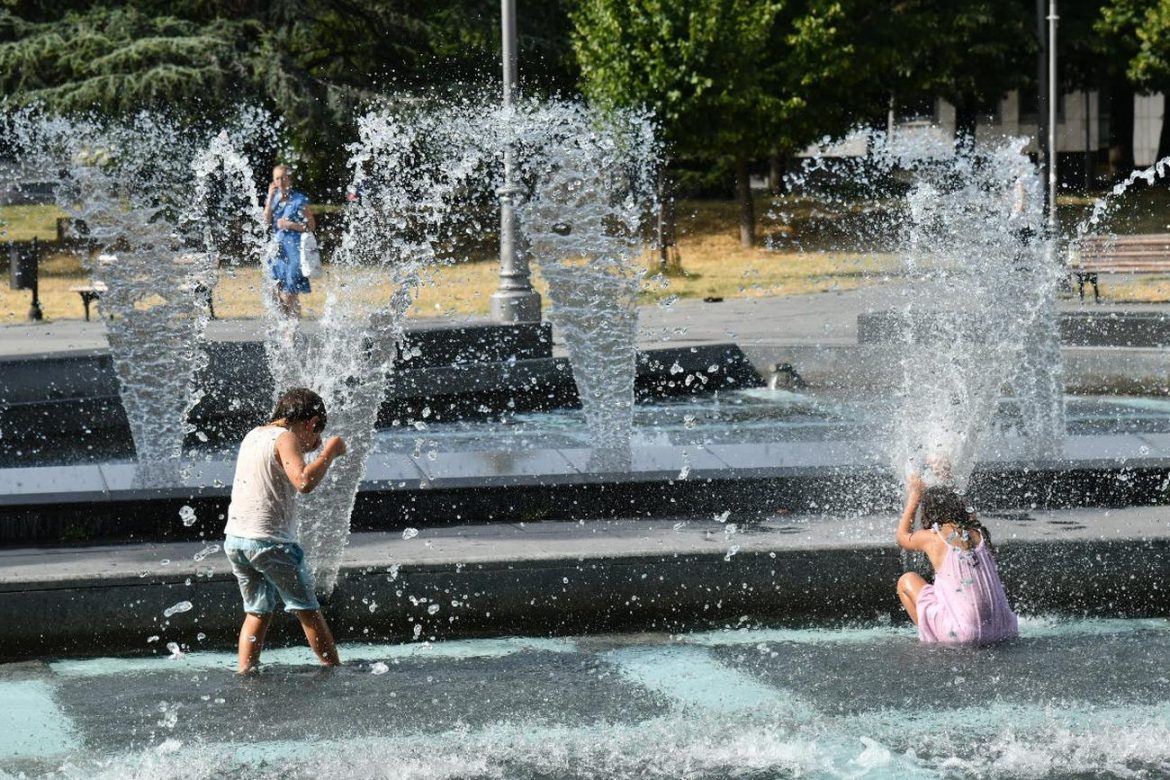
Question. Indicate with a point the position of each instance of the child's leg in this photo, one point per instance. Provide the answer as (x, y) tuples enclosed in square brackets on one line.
[(910, 585), (290, 305), (319, 636), (252, 640)]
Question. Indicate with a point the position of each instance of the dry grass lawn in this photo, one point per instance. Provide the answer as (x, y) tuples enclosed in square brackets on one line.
[(713, 265)]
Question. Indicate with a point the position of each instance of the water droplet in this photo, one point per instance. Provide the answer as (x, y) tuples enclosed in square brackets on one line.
[(410, 533), (187, 515), (379, 667), (182, 606), (433, 609), (208, 550)]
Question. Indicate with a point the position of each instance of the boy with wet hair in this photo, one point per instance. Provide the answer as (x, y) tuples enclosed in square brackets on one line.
[(261, 533)]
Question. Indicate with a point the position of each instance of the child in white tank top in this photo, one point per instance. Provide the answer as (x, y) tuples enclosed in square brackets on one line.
[(261, 533)]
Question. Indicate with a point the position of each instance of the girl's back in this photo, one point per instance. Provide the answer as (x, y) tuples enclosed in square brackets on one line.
[(967, 602)]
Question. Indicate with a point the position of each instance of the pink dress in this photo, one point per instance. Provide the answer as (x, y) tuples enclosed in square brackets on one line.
[(966, 604)]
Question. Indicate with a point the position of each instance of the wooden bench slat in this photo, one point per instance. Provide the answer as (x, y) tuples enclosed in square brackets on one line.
[(1147, 253)]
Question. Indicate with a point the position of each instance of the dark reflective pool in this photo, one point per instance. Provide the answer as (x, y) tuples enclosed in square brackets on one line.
[(757, 415)]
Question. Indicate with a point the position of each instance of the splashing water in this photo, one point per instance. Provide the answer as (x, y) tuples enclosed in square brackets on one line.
[(408, 171), (980, 286), (594, 188), (417, 170), (134, 211)]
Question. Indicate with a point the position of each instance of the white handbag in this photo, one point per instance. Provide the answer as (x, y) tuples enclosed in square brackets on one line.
[(310, 256)]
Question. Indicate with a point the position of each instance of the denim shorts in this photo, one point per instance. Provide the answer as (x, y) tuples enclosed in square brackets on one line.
[(265, 568)]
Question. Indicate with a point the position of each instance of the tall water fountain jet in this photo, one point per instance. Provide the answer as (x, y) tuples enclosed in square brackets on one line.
[(594, 186), (417, 172), (132, 207), (979, 288), (406, 171)]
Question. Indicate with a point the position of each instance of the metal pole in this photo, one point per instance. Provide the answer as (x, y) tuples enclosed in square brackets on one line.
[(35, 313), (1053, 85), (1088, 144), (1042, 100), (514, 300)]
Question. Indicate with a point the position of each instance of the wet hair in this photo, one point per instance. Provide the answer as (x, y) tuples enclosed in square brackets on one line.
[(942, 505), (299, 404)]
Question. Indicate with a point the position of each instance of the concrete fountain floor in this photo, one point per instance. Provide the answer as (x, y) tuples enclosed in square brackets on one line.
[(1070, 698), (602, 574)]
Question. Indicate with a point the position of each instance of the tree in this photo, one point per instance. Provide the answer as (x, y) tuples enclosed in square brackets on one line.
[(728, 80), (1139, 30), (119, 60), (314, 63), (969, 53)]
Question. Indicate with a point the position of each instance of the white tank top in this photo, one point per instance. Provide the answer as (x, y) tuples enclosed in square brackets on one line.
[(262, 496)]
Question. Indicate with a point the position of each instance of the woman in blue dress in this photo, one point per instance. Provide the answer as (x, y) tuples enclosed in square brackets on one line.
[(287, 210)]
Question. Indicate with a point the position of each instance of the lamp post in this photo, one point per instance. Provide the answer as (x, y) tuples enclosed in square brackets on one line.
[(514, 300), (1053, 86)]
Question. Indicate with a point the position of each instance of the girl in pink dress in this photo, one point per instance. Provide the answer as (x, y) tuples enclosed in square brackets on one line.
[(966, 604)]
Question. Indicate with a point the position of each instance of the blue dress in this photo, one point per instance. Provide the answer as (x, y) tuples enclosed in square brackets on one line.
[(286, 266)]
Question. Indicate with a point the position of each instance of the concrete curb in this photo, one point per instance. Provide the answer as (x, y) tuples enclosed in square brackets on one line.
[(560, 578)]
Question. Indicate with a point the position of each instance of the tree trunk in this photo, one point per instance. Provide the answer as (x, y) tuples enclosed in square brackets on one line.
[(777, 163), (1121, 123), (747, 211), (965, 120), (665, 228)]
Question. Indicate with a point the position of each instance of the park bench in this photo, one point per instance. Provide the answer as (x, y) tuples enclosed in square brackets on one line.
[(89, 293), (93, 291), (1137, 254)]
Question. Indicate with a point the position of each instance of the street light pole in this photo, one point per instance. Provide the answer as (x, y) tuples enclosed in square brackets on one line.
[(514, 300), (1053, 86)]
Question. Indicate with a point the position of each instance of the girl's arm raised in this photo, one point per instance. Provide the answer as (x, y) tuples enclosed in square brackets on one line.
[(905, 538)]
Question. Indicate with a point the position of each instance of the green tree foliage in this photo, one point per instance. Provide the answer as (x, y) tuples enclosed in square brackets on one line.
[(118, 60), (1140, 29), (968, 53), (1137, 34), (312, 62), (730, 81)]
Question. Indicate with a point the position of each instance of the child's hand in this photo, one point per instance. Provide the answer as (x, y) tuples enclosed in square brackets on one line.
[(914, 484)]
